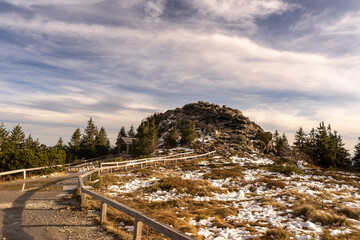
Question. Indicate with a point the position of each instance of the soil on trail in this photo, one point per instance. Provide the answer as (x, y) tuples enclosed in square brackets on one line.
[(45, 209)]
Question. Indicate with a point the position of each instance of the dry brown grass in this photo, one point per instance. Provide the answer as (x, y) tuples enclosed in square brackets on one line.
[(270, 183), (232, 172), (276, 234), (272, 202), (349, 212), (105, 181), (352, 236), (325, 218), (194, 187)]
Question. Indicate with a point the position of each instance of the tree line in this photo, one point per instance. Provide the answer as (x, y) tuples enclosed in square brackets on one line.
[(18, 151), (322, 146)]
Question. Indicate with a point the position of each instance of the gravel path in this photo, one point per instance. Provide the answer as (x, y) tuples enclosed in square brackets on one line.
[(45, 209)]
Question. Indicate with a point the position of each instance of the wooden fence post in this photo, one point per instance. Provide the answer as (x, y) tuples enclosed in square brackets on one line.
[(83, 200), (138, 230), (24, 174), (103, 212)]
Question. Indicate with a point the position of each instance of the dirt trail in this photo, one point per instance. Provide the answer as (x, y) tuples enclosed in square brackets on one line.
[(45, 209)]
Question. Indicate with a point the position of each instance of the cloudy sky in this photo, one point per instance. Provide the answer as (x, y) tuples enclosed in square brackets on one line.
[(283, 63)]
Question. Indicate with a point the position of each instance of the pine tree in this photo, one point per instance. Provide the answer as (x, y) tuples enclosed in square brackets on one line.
[(17, 136), (29, 142), (122, 132), (102, 142), (147, 135), (357, 151), (60, 144), (131, 132), (300, 139), (276, 138), (188, 134), (173, 138), (74, 145), (281, 144), (3, 136), (88, 140)]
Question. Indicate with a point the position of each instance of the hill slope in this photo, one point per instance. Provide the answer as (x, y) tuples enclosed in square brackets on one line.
[(223, 125)]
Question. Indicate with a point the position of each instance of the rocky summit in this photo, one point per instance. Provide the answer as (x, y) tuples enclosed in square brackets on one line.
[(223, 125)]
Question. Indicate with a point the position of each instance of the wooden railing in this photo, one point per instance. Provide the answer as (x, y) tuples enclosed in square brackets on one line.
[(27, 170), (139, 217), (144, 159)]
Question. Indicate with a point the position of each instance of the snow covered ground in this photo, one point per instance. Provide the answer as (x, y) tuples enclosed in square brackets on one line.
[(263, 195)]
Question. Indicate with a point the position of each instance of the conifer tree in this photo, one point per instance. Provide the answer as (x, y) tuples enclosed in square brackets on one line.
[(276, 138), (147, 135), (122, 132), (300, 139), (281, 144), (29, 142), (102, 142), (3, 136), (173, 138), (17, 136), (74, 146), (60, 144), (88, 140), (357, 150), (131, 133), (188, 134)]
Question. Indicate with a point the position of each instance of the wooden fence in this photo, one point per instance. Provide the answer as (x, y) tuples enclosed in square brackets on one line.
[(27, 170), (139, 217)]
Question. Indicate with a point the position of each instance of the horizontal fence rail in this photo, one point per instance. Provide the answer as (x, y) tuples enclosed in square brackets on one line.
[(79, 164), (143, 159), (27, 170), (139, 217)]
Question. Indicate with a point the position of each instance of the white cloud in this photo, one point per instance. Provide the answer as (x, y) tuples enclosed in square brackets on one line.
[(161, 59), (347, 24), (155, 8), (234, 10)]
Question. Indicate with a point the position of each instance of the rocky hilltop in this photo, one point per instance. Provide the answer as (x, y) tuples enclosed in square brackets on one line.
[(223, 125)]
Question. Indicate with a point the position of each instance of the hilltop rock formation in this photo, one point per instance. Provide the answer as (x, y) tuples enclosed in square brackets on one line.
[(225, 126)]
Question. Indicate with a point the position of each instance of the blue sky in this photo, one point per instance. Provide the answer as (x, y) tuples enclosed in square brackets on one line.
[(283, 63)]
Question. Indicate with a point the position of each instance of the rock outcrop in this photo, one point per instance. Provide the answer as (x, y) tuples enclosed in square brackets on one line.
[(224, 125)]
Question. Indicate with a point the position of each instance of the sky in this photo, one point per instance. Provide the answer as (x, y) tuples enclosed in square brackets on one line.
[(283, 63)]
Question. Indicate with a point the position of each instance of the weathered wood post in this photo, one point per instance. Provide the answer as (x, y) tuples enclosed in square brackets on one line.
[(138, 230), (24, 174), (83, 200), (103, 212)]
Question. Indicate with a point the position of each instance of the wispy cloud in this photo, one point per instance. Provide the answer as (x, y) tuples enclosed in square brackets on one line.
[(119, 60)]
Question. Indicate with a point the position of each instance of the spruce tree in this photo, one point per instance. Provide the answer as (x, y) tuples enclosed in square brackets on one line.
[(300, 139), (357, 151), (74, 146), (147, 134), (131, 133), (88, 140), (102, 142), (17, 136), (276, 138), (3, 136), (173, 138), (122, 132), (188, 134), (60, 144)]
